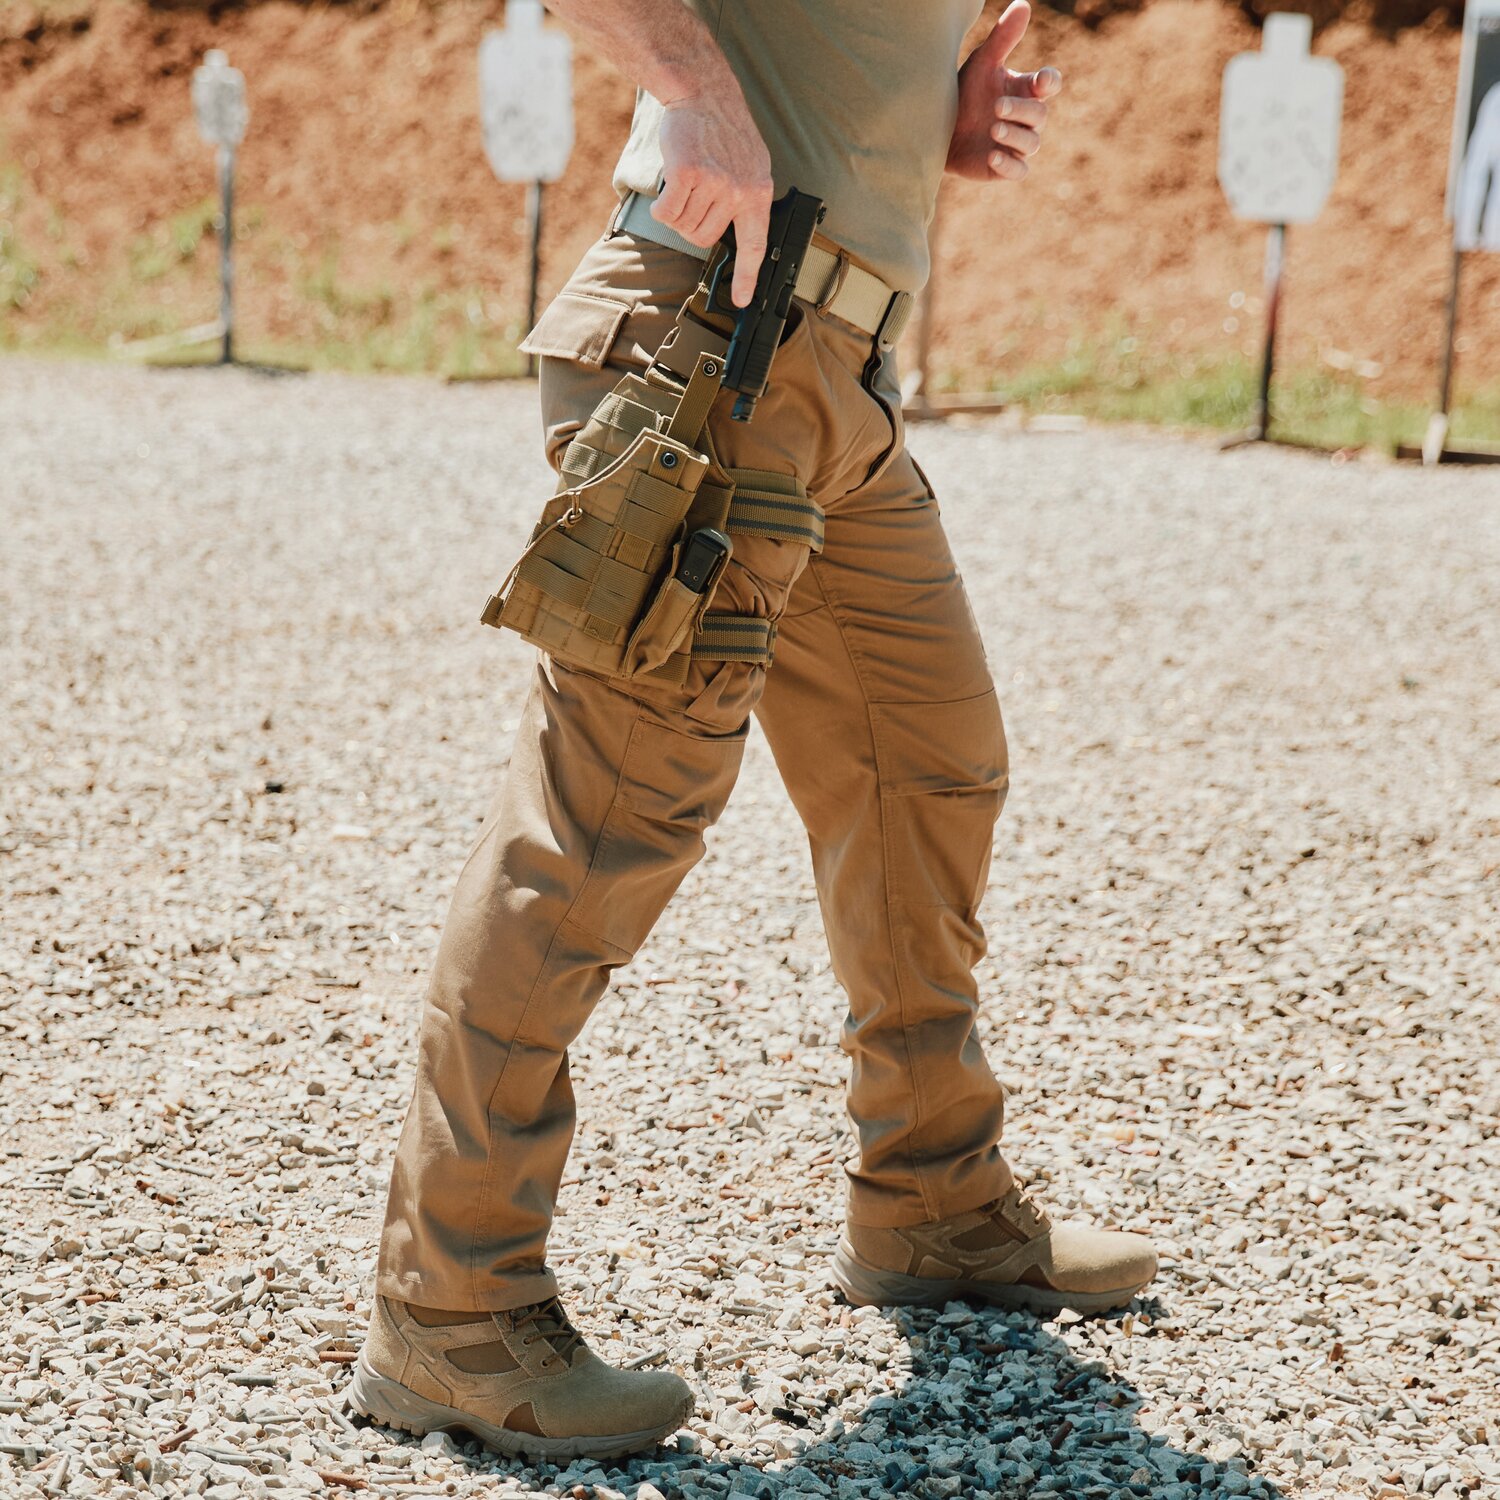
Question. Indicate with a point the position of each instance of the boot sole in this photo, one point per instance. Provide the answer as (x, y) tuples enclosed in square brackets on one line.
[(864, 1286), (392, 1404)]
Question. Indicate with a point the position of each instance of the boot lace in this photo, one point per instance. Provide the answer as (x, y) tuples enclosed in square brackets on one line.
[(548, 1323), (1019, 1207)]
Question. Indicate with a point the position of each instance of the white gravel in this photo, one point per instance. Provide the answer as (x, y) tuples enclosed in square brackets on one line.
[(1244, 938)]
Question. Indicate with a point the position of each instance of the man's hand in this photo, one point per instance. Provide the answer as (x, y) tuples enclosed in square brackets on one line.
[(715, 165), (1000, 113), (718, 173)]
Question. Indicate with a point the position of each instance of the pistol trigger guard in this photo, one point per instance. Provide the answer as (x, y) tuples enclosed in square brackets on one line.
[(718, 265)]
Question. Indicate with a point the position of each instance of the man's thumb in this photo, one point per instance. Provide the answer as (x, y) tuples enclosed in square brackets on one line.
[(1006, 36)]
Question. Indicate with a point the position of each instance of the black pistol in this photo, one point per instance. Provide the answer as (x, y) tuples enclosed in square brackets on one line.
[(758, 327)]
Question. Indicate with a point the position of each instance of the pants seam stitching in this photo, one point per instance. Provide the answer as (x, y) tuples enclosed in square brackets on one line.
[(911, 1065)]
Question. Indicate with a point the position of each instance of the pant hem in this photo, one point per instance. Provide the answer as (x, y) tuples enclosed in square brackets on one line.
[(500, 1294), (877, 1208)]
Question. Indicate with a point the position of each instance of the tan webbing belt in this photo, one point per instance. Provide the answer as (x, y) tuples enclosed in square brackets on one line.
[(828, 278)]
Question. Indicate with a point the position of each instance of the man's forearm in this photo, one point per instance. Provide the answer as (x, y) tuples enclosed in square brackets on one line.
[(716, 170), (658, 44)]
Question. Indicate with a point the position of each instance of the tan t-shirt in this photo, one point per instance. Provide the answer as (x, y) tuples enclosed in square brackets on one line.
[(856, 101)]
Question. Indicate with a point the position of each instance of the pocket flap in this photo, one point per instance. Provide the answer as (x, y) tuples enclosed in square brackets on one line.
[(580, 326)]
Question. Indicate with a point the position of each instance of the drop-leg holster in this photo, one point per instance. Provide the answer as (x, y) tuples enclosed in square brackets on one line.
[(595, 586)]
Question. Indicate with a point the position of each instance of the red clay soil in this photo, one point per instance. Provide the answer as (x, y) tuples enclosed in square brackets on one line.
[(364, 187)]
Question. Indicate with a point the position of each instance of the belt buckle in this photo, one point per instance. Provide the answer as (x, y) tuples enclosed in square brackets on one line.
[(893, 320)]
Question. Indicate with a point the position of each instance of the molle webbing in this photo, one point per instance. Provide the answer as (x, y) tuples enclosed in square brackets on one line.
[(748, 502), (589, 587), (580, 587)]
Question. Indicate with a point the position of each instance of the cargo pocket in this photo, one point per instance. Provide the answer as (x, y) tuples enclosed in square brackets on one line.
[(577, 326), (943, 779), (672, 788), (572, 340)]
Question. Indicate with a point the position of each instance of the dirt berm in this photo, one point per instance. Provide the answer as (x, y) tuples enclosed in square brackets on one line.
[(369, 212)]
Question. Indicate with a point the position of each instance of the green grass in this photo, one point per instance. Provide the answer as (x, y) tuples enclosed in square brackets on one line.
[(437, 336), (19, 272), (367, 328), (173, 244), (1126, 379), (165, 282)]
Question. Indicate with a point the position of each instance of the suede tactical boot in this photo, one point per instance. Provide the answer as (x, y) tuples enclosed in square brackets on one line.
[(522, 1381), (1008, 1253)]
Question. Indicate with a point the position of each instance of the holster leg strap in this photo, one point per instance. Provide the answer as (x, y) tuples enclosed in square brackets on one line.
[(738, 638), (774, 505)]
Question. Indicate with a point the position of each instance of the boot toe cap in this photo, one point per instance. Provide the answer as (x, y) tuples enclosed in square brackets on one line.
[(658, 1398), (1083, 1259), (608, 1401)]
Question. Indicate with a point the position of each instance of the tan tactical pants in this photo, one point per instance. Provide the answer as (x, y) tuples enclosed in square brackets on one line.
[(884, 722)]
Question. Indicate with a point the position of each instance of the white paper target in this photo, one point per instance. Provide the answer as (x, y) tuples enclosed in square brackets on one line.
[(219, 100), (526, 96), (1474, 170), (1279, 126)]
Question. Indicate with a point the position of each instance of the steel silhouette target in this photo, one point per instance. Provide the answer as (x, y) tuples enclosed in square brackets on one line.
[(1279, 126), (222, 113), (1278, 157), (526, 96), (219, 101), (1474, 166), (526, 112), (1473, 201)]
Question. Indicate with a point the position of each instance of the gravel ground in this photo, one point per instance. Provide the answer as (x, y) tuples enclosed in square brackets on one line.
[(1243, 924)]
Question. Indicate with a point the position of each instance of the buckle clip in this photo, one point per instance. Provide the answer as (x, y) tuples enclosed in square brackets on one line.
[(894, 320)]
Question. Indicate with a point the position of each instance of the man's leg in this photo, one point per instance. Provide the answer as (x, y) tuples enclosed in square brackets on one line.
[(883, 718), (884, 722), (610, 788), (602, 813)]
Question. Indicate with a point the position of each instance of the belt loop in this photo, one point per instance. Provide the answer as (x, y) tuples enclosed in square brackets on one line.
[(835, 285)]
